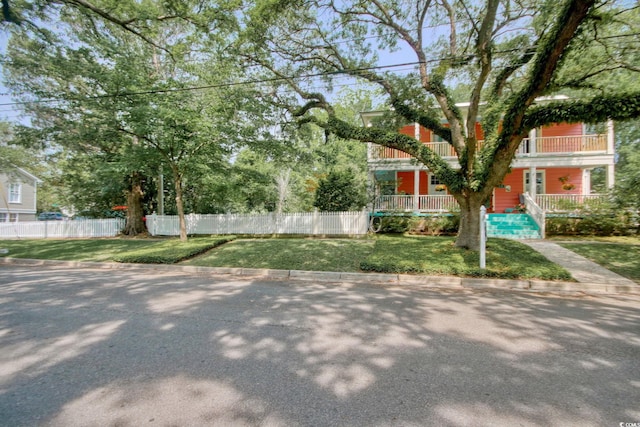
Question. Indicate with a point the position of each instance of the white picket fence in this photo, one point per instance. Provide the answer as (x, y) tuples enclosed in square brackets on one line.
[(308, 223), (61, 229)]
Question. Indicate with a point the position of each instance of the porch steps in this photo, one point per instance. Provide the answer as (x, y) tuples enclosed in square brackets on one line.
[(512, 226)]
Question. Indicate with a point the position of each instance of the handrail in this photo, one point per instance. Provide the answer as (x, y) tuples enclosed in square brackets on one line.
[(536, 213)]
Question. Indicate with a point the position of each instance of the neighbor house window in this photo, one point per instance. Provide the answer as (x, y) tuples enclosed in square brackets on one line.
[(15, 193)]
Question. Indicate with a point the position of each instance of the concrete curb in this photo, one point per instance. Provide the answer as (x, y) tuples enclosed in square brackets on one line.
[(447, 282)]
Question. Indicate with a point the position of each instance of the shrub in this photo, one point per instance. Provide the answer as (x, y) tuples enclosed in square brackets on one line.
[(340, 192), (434, 225), (602, 222)]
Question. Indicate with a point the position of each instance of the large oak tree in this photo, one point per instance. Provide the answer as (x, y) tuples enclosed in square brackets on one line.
[(508, 53)]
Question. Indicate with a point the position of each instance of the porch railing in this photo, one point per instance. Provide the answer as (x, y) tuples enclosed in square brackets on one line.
[(570, 202), (406, 203), (536, 212), (548, 145)]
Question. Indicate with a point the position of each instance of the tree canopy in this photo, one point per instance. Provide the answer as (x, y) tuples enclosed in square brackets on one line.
[(509, 54), (502, 62)]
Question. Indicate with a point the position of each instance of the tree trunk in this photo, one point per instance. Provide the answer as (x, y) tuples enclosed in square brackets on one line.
[(469, 231), (177, 179), (135, 225)]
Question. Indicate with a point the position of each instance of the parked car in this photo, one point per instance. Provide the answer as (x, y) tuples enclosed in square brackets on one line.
[(52, 216)]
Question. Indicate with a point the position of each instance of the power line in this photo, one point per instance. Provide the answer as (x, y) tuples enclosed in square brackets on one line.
[(215, 86), (345, 73)]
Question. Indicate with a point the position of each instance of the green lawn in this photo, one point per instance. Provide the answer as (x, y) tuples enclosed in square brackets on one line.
[(290, 254), (384, 253), (76, 250), (437, 255), (620, 258), (122, 250), (388, 254)]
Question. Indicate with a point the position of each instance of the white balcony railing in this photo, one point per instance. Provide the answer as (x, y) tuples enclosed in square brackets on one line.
[(550, 145), (406, 203)]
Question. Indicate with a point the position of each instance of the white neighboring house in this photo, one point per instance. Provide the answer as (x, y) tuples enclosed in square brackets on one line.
[(18, 195)]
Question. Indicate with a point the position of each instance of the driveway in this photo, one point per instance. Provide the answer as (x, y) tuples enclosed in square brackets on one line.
[(81, 347)]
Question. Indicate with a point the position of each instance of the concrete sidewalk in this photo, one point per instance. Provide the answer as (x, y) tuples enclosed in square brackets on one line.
[(581, 269)]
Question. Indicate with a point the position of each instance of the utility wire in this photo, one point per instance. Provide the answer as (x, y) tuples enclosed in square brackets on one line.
[(344, 73)]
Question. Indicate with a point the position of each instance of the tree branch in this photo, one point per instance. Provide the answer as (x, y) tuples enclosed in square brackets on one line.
[(595, 110), (124, 24)]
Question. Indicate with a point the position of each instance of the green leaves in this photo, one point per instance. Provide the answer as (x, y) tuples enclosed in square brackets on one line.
[(339, 192)]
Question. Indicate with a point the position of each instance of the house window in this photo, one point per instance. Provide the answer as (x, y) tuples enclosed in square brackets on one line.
[(3, 217), (15, 193), (434, 180), (13, 217), (539, 182)]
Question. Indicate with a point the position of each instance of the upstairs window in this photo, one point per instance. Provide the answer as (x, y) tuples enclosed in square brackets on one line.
[(15, 193)]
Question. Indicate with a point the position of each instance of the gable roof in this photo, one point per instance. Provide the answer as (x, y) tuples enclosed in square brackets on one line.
[(26, 175)]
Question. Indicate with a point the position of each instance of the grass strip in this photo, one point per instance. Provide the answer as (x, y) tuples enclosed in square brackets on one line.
[(290, 254), (73, 249), (171, 251), (623, 259), (506, 259)]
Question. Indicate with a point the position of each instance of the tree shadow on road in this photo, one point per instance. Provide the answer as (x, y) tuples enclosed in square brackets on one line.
[(88, 347)]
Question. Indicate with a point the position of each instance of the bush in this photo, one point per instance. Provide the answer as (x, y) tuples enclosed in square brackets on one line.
[(605, 222), (340, 192), (435, 225), (395, 224)]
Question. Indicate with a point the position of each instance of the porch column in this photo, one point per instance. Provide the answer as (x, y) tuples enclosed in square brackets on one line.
[(371, 189), (532, 182), (610, 137), (586, 182), (533, 134), (611, 179), (416, 190)]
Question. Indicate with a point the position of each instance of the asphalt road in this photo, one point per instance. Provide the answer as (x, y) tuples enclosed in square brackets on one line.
[(82, 347)]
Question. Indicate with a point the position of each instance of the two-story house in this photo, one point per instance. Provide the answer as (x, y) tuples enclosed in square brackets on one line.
[(553, 165), (18, 193)]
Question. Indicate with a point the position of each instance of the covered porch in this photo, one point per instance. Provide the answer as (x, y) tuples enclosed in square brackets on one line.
[(560, 189)]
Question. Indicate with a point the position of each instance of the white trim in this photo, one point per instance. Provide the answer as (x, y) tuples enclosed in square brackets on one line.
[(11, 193), (586, 181), (22, 211)]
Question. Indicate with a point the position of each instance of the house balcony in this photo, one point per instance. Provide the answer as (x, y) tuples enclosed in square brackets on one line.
[(529, 147)]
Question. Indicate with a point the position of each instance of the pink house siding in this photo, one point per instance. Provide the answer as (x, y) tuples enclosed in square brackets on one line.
[(406, 182), (514, 181), (504, 199), (554, 185), (562, 129)]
